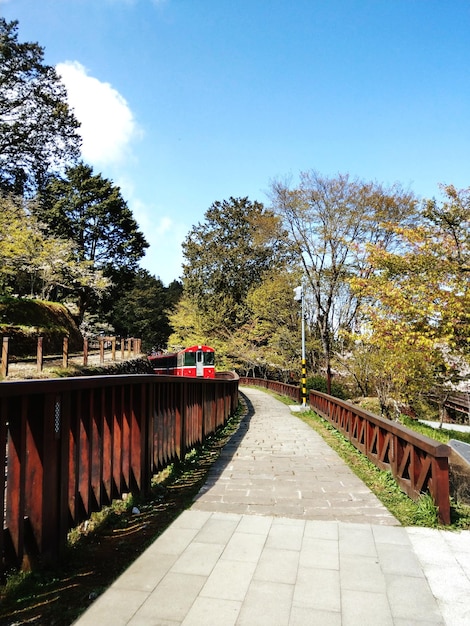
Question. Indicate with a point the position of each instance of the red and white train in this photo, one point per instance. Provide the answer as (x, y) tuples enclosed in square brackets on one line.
[(196, 361)]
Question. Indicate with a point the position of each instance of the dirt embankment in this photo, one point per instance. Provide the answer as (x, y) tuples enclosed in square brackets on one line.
[(23, 321)]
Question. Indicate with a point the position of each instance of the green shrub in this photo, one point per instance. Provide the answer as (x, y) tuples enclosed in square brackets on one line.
[(318, 383)]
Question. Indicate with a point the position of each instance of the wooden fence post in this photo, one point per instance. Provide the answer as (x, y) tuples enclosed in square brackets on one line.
[(65, 353), (5, 347), (113, 348), (101, 351), (39, 357), (85, 351)]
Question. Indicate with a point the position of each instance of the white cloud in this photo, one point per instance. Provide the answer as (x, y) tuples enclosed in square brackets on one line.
[(165, 226), (107, 122), (108, 127)]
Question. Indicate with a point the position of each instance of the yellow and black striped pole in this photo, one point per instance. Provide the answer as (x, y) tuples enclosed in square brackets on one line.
[(304, 383)]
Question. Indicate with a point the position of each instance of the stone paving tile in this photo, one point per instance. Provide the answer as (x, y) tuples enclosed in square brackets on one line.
[(254, 524), (399, 560), (287, 537), (277, 566), (318, 589), (217, 531), (146, 572), (229, 580), (244, 547), (411, 598), (357, 540), (198, 559), (171, 600), (365, 608), (266, 604), (320, 530), (319, 553), (398, 621), (395, 535), (176, 539), (364, 574), (301, 616), (116, 604), (190, 519), (212, 612)]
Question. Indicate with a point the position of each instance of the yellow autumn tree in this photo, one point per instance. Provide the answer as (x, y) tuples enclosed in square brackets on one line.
[(418, 302)]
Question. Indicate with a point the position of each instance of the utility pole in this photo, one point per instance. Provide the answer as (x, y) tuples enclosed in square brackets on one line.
[(299, 296)]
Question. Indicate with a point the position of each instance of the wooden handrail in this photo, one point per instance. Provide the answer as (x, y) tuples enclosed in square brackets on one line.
[(283, 389), (72, 445), (418, 463)]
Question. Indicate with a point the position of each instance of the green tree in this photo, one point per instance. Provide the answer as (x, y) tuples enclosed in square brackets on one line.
[(34, 263), (399, 371), (267, 343), (14, 239), (330, 221), (38, 131), (188, 326), (229, 254), (272, 339), (89, 210)]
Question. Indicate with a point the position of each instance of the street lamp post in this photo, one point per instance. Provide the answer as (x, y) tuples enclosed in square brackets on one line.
[(299, 296)]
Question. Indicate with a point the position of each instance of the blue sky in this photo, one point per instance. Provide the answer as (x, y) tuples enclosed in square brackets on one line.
[(185, 102)]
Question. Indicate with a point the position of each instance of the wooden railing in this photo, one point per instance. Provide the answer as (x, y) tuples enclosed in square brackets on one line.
[(458, 402), (418, 463), (96, 350), (283, 389), (72, 445)]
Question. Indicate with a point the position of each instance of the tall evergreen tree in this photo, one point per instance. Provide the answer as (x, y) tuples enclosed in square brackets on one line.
[(89, 210), (38, 131), (229, 253)]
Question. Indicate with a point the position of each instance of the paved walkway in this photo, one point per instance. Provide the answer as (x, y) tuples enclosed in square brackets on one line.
[(284, 534)]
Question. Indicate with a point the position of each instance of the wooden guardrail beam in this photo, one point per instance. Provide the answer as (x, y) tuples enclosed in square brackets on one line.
[(418, 463)]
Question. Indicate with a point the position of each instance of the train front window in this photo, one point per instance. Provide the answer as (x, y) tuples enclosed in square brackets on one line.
[(208, 358), (190, 358)]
